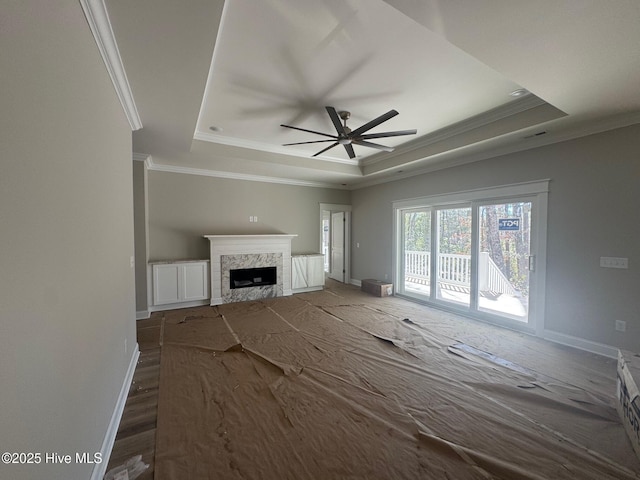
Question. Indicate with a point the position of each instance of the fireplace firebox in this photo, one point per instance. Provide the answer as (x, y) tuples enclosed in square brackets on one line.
[(252, 277)]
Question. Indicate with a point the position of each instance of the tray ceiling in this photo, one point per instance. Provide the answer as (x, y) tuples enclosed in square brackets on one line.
[(213, 81)]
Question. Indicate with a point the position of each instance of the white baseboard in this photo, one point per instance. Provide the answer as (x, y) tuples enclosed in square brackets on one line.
[(580, 343), (100, 469), (355, 282), (144, 314), (307, 289), (177, 306)]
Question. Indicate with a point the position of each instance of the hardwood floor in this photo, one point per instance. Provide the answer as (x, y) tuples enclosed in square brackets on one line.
[(137, 432)]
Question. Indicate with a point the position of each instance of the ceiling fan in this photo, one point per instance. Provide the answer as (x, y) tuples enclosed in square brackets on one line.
[(347, 137)]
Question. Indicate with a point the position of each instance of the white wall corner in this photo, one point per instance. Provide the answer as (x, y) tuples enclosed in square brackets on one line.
[(100, 469), (96, 13)]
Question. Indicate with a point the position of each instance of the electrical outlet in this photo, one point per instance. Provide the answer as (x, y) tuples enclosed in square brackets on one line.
[(621, 326), (614, 262)]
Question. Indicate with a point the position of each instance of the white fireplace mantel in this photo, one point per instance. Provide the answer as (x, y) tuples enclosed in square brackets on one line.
[(242, 237), (246, 245)]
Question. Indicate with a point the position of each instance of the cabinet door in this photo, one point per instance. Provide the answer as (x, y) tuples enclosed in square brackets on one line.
[(298, 272), (166, 284), (195, 285), (315, 271)]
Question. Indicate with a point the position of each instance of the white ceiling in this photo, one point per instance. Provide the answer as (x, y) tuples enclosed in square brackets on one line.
[(247, 66)]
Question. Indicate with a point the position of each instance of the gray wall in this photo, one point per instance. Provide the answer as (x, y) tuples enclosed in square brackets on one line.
[(183, 208), (66, 284), (140, 213), (593, 201)]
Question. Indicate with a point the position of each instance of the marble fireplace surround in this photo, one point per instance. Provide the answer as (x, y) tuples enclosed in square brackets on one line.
[(248, 251), (250, 260)]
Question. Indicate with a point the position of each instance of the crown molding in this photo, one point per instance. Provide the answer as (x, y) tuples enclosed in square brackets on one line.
[(526, 143), (493, 115), (96, 13), (143, 157), (240, 176), (264, 147), (440, 161), (140, 157)]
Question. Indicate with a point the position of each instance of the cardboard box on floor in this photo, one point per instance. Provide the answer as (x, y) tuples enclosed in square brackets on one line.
[(628, 405), (376, 287)]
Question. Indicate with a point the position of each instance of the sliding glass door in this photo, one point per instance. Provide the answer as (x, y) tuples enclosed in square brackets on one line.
[(475, 256), (416, 258), (505, 259), (453, 255)]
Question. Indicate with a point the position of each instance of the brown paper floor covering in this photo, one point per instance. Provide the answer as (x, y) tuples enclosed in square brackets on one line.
[(342, 385)]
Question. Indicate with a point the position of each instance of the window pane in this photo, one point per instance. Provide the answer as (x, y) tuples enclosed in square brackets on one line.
[(417, 252), (454, 255)]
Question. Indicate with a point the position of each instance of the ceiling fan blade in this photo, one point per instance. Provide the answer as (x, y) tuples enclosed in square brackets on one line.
[(373, 123), (309, 131), (324, 150), (336, 120), (349, 148), (303, 143), (372, 145), (388, 134)]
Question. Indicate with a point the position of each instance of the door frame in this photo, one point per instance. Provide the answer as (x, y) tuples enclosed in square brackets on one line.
[(536, 190), (335, 208), (336, 250)]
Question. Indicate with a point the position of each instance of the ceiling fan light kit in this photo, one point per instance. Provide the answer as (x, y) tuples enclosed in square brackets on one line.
[(347, 137)]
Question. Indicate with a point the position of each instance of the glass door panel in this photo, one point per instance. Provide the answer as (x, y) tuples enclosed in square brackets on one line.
[(416, 252), (503, 260), (453, 252)]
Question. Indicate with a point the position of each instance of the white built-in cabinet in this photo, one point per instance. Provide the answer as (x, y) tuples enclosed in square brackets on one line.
[(180, 284), (307, 272)]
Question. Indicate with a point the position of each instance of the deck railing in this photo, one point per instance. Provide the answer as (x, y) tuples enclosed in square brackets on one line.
[(491, 278), (417, 265), (456, 269)]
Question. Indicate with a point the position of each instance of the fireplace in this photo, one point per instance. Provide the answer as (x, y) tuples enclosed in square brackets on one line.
[(252, 277), (235, 252)]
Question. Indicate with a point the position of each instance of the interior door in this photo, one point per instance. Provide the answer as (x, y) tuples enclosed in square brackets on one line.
[(337, 269)]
